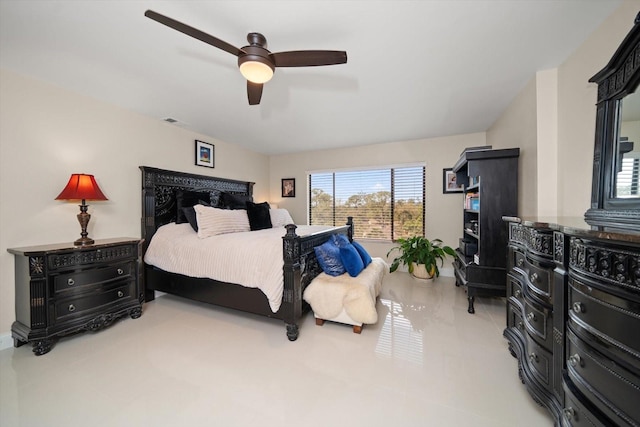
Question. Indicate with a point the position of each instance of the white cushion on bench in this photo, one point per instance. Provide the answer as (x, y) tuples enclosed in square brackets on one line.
[(332, 297)]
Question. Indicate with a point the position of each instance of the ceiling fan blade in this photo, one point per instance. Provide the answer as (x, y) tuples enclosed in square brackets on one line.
[(193, 32), (308, 58), (254, 92)]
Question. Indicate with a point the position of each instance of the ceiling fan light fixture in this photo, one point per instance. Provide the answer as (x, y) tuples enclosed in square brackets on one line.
[(256, 71)]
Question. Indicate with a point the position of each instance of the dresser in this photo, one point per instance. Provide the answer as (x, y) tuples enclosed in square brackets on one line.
[(61, 289), (573, 318)]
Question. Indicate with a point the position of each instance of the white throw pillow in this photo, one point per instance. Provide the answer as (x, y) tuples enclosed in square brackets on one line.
[(280, 217), (213, 221)]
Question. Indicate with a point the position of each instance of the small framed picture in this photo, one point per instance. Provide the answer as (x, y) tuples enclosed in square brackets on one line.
[(449, 184), (288, 187), (205, 155)]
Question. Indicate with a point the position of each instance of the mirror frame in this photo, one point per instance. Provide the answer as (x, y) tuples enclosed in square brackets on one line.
[(618, 79)]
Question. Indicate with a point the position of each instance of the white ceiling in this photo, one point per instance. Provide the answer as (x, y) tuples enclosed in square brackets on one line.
[(416, 69)]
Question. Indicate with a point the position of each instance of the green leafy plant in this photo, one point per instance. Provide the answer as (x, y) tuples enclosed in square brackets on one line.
[(420, 250)]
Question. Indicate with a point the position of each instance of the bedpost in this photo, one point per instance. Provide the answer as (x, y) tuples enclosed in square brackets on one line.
[(350, 231), (292, 296), (148, 224)]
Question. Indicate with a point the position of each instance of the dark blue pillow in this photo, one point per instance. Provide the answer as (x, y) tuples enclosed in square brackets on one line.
[(366, 258), (349, 255), (328, 255), (351, 260)]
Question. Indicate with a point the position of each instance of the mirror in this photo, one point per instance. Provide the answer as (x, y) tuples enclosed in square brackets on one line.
[(628, 153), (615, 196)]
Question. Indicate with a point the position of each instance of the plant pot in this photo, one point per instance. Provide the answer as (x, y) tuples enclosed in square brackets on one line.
[(420, 272)]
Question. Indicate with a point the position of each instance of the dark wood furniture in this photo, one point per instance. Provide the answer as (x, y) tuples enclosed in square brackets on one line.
[(62, 289), (573, 316), (300, 264), (490, 177)]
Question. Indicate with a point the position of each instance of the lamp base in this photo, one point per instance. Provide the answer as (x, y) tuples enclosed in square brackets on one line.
[(84, 241)]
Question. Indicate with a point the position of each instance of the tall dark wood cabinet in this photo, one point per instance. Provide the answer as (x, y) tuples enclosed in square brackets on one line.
[(490, 186), (573, 319), (62, 289)]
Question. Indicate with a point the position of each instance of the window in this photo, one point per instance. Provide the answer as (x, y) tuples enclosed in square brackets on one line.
[(628, 178), (385, 203)]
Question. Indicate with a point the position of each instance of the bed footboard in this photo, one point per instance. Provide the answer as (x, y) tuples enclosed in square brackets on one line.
[(300, 267)]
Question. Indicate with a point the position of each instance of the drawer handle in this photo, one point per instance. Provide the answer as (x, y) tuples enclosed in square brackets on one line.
[(531, 317), (575, 360), (120, 271), (578, 307), (517, 293), (534, 277), (520, 262), (120, 294), (533, 358), (569, 412), (72, 308), (70, 281)]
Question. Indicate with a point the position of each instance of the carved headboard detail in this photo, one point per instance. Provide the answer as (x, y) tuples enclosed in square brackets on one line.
[(159, 188)]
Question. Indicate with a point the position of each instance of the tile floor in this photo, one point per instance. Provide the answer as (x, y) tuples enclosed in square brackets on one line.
[(427, 362)]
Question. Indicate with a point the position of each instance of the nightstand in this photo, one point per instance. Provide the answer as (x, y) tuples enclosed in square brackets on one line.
[(63, 289)]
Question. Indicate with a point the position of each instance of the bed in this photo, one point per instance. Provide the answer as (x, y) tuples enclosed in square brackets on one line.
[(159, 207)]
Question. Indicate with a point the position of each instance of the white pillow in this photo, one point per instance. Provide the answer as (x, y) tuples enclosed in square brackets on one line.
[(213, 221), (280, 217)]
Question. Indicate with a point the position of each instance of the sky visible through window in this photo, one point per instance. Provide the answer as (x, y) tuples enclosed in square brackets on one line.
[(372, 181)]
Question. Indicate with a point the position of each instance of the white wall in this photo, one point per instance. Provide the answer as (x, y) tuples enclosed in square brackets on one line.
[(443, 211), (517, 127), (552, 120), (577, 110), (47, 133)]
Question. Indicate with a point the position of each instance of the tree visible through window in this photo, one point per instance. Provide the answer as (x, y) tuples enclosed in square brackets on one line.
[(384, 203)]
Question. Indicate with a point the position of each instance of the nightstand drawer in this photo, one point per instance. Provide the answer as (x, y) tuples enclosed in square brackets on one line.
[(83, 256), (78, 279), (77, 307)]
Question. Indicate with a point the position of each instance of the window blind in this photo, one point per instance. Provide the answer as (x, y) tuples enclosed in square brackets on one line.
[(385, 203), (628, 178)]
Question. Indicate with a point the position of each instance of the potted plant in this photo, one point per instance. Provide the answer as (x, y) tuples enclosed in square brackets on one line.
[(421, 255)]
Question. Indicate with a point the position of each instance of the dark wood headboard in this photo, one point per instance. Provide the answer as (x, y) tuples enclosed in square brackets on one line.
[(159, 194)]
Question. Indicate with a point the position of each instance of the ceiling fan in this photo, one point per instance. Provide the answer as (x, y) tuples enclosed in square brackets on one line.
[(256, 63)]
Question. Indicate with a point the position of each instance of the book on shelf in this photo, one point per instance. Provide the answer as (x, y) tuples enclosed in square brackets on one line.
[(472, 201)]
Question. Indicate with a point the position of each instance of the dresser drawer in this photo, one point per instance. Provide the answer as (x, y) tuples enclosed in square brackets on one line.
[(576, 414), (514, 317), (538, 279), (612, 320), (514, 289), (539, 361), (517, 259), (618, 390), (539, 323), (78, 279), (65, 308)]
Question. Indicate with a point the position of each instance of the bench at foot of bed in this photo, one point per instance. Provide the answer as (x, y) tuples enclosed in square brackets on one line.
[(357, 329), (346, 299)]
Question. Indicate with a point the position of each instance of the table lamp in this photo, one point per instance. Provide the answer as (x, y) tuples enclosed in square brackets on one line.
[(82, 187)]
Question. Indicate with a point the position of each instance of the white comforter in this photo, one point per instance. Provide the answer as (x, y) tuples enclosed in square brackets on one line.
[(252, 259)]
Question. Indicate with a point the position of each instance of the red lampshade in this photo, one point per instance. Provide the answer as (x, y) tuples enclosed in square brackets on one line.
[(81, 187)]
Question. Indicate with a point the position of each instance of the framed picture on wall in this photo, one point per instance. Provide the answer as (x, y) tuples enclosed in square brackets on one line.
[(288, 187), (205, 155), (449, 184)]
